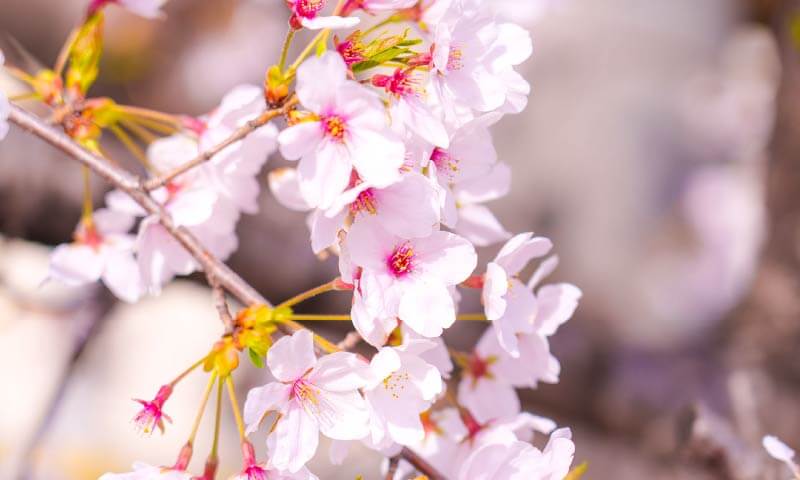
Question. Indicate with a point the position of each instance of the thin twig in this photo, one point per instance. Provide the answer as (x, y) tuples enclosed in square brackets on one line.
[(394, 462), (241, 133), (420, 464), (221, 303), (350, 341)]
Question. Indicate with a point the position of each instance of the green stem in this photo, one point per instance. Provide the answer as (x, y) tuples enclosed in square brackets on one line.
[(325, 287), (285, 51)]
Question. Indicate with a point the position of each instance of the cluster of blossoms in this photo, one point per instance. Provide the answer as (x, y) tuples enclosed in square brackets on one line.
[(395, 165), (207, 200)]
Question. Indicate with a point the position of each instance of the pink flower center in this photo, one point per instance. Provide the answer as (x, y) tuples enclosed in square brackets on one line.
[(446, 164), (87, 234), (479, 367), (334, 127), (365, 202), (401, 261), (304, 391), (400, 83), (308, 8)]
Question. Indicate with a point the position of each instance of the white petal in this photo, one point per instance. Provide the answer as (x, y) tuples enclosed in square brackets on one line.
[(290, 357), (343, 415), (285, 186), (446, 256), (299, 139), (295, 439), (318, 79), (478, 224), (332, 22), (261, 400), (377, 156), (427, 308), (488, 399), (76, 264), (777, 449), (495, 287), (557, 303), (325, 230), (122, 276), (518, 251), (324, 174), (340, 372)]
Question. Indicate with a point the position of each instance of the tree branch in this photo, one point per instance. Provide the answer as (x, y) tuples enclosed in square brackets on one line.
[(137, 190), (132, 185), (240, 134)]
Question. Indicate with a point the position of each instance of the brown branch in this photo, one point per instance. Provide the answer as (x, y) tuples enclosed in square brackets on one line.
[(420, 464), (132, 185), (221, 303), (350, 341), (394, 462), (136, 189), (241, 133)]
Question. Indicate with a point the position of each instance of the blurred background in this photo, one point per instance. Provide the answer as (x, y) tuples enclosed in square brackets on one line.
[(659, 151)]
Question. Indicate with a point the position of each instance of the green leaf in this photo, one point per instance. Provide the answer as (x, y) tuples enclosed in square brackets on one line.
[(257, 359)]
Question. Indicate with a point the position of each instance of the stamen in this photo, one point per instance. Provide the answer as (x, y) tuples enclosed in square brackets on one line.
[(401, 262), (334, 127)]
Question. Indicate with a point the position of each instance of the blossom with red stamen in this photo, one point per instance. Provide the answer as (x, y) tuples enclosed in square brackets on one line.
[(152, 415)]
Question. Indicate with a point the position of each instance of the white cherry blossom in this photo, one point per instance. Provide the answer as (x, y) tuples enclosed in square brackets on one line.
[(347, 130), (102, 249), (406, 279), (312, 396), (508, 302), (473, 62), (401, 388), (516, 460)]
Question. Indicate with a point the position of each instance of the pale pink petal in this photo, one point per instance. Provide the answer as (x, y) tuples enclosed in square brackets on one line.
[(346, 416), (295, 439), (325, 230), (446, 256), (332, 22), (261, 400), (487, 399), (495, 287), (75, 264), (324, 174), (340, 372), (370, 245), (122, 275), (547, 267), (291, 356), (478, 224), (427, 308), (300, 139), (518, 251), (285, 186), (377, 156), (318, 80), (557, 303)]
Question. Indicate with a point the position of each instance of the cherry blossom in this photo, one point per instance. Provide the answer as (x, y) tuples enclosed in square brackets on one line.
[(409, 108), (402, 387), (312, 396), (305, 13), (348, 129), (406, 279), (508, 302), (101, 249), (142, 471), (515, 460), (4, 106), (207, 200), (473, 62)]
